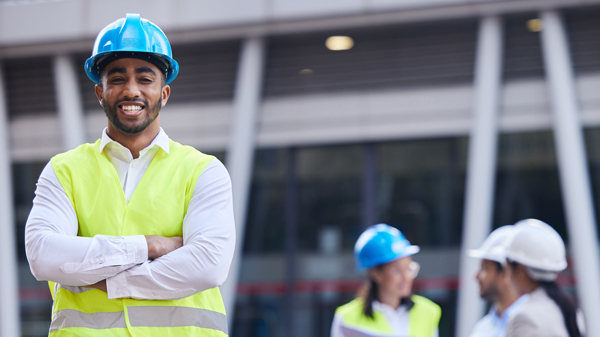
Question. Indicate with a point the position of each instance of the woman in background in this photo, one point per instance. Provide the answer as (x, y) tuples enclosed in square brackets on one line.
[(535, 256), (386, 305)]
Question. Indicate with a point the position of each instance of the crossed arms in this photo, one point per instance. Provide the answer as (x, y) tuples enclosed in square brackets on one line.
[(141, 267)]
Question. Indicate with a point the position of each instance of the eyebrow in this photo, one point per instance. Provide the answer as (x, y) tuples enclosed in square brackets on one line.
[(144, 70), (116, 70), (137, 71)]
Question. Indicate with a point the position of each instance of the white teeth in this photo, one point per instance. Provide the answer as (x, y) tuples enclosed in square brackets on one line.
[(131, 108)]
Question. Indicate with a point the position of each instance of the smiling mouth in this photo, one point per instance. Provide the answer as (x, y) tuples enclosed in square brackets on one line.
[(131, 109)]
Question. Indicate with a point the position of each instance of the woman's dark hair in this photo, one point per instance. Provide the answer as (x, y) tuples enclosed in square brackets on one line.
[(566, 305), (564, 302), (369, 293)]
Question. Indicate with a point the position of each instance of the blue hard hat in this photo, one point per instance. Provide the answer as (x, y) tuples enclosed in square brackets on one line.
[(132, 37), (381, 244)]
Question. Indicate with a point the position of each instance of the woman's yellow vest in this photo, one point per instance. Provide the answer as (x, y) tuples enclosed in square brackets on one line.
[(423, 319), (157, 207)]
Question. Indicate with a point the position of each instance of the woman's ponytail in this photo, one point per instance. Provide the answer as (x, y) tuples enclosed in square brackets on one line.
[(566, 305)]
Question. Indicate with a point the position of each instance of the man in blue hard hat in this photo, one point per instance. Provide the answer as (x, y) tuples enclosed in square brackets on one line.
[(135, 232)]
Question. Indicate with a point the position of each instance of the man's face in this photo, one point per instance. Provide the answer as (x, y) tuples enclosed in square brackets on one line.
[(132, 94), (488, 277)]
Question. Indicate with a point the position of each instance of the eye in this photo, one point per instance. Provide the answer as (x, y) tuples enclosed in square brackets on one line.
[(116, 80)]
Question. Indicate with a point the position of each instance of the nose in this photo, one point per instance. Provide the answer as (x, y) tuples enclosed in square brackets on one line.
[(131, 90)]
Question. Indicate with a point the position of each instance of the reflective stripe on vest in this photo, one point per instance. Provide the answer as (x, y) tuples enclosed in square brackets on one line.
[(69, 318), (157, 207), (146, 316)]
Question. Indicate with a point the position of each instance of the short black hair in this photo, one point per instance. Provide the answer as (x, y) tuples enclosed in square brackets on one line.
[(499, 266)]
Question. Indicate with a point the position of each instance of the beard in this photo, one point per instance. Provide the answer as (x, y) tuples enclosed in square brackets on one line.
[(490, 293), (151, 113)]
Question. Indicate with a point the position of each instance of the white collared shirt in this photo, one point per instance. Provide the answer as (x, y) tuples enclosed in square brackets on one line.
[(494, 325), (56, 253)]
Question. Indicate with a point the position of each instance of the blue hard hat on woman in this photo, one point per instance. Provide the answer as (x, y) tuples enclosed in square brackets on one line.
[(132, 37), (385, 306), (381, 244)]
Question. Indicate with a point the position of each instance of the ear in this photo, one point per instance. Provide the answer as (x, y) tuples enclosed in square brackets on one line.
[(99, 93), (507, 272), (376, 275), (166, 93)]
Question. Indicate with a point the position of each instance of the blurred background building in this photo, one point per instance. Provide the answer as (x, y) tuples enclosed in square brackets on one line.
[(332, 115)]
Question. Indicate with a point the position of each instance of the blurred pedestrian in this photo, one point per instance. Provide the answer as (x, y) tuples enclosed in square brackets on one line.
[(494, 286), (535, 256), (386, 305)]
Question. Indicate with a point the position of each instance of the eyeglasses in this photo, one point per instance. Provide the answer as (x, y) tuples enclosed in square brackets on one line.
[(410, 272)]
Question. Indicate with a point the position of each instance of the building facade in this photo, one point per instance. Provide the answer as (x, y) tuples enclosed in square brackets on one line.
[(445, 119)]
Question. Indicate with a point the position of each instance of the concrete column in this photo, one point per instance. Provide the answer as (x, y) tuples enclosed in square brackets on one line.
[(70, 107), (481, 169), (572, 164), (240, 153), (9, 291)]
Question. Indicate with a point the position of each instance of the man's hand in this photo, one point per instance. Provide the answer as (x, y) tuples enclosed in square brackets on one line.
[(160, 245)]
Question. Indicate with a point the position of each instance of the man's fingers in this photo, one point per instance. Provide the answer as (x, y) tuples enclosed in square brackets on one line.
[(160, 245)]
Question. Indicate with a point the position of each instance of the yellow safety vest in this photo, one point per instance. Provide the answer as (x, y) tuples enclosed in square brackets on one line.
[(423, 319), (157, 207)]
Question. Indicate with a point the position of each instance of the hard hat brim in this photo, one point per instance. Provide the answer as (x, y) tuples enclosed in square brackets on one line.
[(479, 254), (407, 251)]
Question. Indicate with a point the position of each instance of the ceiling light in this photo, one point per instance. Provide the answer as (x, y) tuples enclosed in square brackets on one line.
[(339, 43), (535, 25), (306, 71)]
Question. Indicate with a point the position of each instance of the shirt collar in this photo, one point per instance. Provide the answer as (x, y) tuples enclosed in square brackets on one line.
[(514, 306), (385, 307), (162, 140)]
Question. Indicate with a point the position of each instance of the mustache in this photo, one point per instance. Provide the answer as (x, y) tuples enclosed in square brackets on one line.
[(137, 100)]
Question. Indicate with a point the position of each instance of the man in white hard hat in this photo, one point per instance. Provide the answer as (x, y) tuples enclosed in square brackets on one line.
[(536, 255), (494, 286)]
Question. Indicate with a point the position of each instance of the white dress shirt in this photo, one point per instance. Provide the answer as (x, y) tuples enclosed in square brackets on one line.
[(494, 325), (56, 253)]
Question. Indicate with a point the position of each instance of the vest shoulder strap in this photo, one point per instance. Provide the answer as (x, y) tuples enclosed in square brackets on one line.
[(424, 317), (62, 163)]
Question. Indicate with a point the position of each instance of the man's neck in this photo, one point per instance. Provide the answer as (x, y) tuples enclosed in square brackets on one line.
[(527, 286), (503, 303), (134, 142)]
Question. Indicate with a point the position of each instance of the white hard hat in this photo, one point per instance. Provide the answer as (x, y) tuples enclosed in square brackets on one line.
[(539, 247), (494, 246)]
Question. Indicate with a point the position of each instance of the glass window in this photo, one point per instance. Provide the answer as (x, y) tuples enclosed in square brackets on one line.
[(260, 302), (592, 144), (292, 284), (421, 189), (329, 188), (35, 300), (265, 219), (527, 182)]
